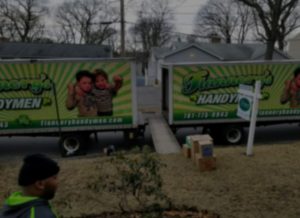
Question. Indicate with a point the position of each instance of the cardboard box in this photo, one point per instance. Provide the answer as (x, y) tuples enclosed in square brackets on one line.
[(206, 148), (191, 139), (195, 139), (204, 137), (195, 142), (197, 157), (206, 163), (186, 151), (198, 137), (195, 149)]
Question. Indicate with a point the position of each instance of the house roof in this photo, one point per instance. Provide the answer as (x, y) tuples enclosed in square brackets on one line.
[(52, 50), (294, 37), (222, 52), (161, 52)]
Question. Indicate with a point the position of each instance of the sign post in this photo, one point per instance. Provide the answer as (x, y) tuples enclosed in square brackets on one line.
[(247, 109)]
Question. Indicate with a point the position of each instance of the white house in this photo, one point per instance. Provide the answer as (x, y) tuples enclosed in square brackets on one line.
[(293, 46), (205, 52)]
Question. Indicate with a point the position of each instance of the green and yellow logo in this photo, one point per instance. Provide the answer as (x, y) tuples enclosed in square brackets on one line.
[(202, 81), (36, 86)]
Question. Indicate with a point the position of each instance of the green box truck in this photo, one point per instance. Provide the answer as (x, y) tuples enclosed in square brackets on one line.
[(206, 95), (61, 98)]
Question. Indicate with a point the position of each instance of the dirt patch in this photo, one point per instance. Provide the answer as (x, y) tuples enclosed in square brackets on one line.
[(265, 185)]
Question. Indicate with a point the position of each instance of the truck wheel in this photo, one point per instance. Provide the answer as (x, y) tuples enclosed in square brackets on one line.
[(71, 145), (232, 134)]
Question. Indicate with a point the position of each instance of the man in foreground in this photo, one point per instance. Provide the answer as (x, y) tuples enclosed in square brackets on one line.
[(38, 179)]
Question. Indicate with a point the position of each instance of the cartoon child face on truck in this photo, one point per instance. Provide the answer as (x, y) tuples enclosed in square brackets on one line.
[(291, 92), (84, 82), (104, 91), (79, 94)]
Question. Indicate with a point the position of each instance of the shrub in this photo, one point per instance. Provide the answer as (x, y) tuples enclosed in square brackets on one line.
[(135, 180)]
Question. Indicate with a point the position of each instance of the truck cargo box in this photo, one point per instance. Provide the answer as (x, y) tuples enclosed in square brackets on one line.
[(35, 95), (205, 94)]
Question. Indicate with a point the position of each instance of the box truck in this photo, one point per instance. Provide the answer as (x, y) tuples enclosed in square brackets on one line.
[(61, 98), (206, 95)]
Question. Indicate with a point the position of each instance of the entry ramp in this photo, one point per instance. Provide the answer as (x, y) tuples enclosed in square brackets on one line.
[(163, 138)]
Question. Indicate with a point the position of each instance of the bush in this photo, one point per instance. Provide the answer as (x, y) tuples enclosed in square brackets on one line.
[(136, 181)]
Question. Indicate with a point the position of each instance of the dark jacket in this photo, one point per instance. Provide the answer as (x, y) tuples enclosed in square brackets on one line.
[(19, 206)]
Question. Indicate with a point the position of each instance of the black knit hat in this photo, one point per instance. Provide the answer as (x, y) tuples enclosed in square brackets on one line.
[(36, 167)]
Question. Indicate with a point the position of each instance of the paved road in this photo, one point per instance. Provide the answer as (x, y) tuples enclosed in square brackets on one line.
[(20, 146), (16, 147)]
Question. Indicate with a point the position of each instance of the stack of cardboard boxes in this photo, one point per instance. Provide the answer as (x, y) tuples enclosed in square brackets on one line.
[(200, 149)]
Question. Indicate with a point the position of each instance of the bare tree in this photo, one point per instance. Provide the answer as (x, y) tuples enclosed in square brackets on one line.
[(153, 27), (245, 21), (86, 21), (226, 18), (21, 20), (274, 20), (288, 25)]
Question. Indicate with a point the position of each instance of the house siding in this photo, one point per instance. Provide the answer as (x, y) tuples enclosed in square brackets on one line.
[(190, 55), (293, 49)]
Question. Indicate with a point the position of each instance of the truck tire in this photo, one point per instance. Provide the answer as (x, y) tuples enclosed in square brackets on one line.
[(72, 144), (232, 134)]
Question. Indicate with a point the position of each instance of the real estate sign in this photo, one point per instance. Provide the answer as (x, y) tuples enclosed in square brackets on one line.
[(245, 100)]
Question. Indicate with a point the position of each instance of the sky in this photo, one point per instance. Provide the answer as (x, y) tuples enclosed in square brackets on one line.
[(184, 12)]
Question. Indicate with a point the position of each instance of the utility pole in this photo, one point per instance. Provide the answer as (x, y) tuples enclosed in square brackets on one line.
[(122, 28)]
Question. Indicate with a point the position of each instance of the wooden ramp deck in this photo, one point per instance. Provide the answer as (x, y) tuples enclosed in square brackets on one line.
[(163, 138)]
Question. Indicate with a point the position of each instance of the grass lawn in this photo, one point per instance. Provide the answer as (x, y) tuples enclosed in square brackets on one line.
[(264, 185)]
